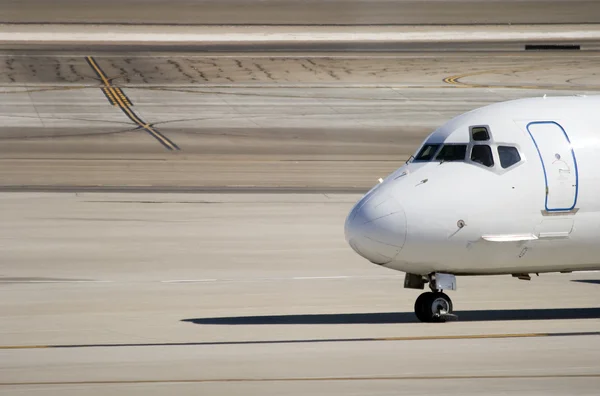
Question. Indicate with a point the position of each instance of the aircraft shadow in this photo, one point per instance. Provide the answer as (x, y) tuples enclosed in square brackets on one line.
[(592, 281), (401, 317)]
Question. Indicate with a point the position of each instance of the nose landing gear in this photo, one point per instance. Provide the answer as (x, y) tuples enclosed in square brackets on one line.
[(433, 306)]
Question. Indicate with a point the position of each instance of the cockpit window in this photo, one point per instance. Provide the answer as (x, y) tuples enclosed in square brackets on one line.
[(452, 152), (427, 152), (508, 156), (482, 154), (480, 134)]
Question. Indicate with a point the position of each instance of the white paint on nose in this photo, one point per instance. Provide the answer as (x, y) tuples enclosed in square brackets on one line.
[(376, 228)]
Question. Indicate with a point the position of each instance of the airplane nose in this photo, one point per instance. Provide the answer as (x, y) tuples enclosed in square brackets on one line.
[(376, 228)]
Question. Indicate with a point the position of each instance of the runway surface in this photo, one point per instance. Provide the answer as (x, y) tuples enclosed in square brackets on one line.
[(259, 294), (244, 283), (311, 12), (302, 121)]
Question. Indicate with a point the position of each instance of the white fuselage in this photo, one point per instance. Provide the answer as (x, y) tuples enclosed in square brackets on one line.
[(540, 214)]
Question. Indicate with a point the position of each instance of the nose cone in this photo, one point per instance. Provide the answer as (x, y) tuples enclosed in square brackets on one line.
[(376, 228)]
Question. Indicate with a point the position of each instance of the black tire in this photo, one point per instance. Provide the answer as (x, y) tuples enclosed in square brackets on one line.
[(421, 307), (429, 304)]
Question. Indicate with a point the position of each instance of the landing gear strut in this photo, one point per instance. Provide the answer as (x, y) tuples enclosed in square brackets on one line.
[(433, 306)]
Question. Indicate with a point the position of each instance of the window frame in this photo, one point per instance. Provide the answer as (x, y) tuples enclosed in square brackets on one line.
[(435, 159), (487, 128), (502, 170), (493, 144), (435, 153), (494, 159), (490, 142), (500, 158)]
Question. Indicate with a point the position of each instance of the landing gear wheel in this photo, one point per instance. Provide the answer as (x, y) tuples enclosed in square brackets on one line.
[(434, 307), (421, 306)]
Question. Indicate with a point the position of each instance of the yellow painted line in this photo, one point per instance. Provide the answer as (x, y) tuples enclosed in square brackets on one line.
[(159, 136), (143, 125), (467, 337), (455, 81), (307, 379), (94, 65), (116, 92), (375, 339), (25, 347), (126, 108), (109, 94), (46, 89), (120, 99), (123, 96), (305, 341), (130, 113)]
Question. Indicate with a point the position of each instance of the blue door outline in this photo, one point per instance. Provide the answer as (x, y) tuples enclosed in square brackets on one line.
[(544, 166)]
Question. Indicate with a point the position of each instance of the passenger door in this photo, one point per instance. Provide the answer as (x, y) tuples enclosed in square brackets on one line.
[(559, 164)]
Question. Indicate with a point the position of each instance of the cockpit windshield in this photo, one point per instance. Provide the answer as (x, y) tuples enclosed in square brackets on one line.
[(482, 154), (452, 152), (449, 152), (479, 150), (427, 152)]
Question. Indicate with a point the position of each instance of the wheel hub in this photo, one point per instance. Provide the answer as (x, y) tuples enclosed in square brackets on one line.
[(440, 306)]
